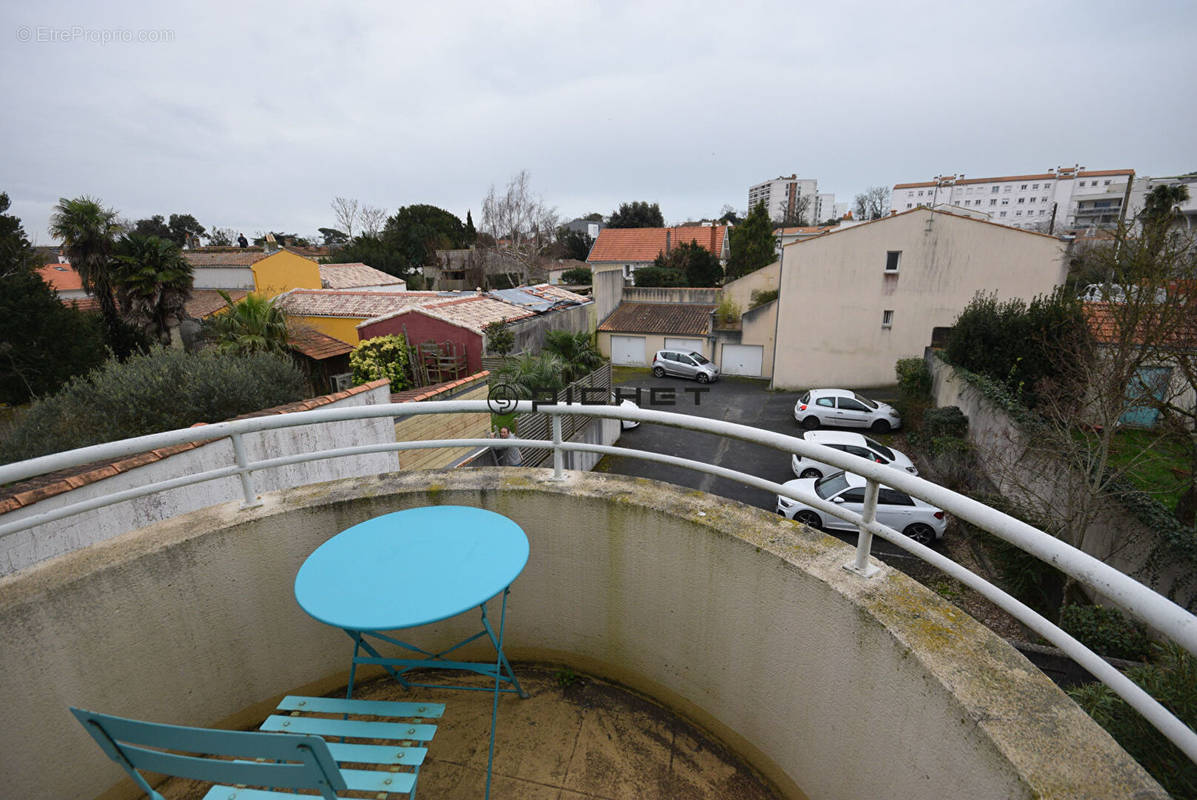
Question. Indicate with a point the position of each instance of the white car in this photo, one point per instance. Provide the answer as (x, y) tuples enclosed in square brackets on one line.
[(625, 424), (920, 521), (855, 443), (845, 408)]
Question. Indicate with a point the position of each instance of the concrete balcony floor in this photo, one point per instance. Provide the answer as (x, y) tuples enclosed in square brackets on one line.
[(589, 739)]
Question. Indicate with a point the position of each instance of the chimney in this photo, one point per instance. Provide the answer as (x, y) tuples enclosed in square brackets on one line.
[(713, 250)]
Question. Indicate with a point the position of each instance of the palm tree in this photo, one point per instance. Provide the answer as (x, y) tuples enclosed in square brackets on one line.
[(152, 282), (575, 350), (88, 232), (253, 324), (532, 375)]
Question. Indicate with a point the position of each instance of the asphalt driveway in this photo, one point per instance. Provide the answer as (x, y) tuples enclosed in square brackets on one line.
[(739, 400)]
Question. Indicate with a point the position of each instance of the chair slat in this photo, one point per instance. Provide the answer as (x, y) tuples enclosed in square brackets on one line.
[(235, 793), (368, 780), (377, 754), (352, 728), (376, 708), (255, 773)]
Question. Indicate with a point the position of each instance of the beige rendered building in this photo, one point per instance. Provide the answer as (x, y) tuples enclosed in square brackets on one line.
[(853, 302)]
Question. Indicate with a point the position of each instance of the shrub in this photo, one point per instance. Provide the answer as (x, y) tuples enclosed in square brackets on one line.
[(1172, 680), (1105, 631), (659, 276), (381, 357), (578, 275), (499, 338), (946, 422), (914, 379), (759, 298), (161, 390), (727, 311)]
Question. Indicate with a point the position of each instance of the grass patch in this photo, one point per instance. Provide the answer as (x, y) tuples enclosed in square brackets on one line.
[(1156, 464)]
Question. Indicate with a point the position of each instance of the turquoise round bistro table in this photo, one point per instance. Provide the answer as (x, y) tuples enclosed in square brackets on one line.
[(413, 568)]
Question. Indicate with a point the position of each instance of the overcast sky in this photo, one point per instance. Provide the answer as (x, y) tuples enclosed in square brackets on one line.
[(255, 117)]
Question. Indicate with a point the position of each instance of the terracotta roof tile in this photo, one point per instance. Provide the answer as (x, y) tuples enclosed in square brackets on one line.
[(62, 277), (352, 304), (314, 344), (350, 276), (226, 258), (644, 244), (204, 302), (680, 318)]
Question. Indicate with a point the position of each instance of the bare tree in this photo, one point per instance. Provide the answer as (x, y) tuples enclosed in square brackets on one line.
[(521, 224), (795, 212), (373, 220), (873, 203), (347, 214)]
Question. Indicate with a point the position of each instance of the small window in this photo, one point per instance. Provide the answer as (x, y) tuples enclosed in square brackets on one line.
[(1022, 200), (1008, 188), (887, 318), (993, 202), (996, 189), (908, 205), (1020, 188), (1105, 183), (1018, 213), (826, 402), (1034, 186), (1003, 213), (892, 257), (1005, 201)]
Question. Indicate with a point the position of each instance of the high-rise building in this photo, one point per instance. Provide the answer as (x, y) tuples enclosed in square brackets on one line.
[(1063, 198), (789, 199)]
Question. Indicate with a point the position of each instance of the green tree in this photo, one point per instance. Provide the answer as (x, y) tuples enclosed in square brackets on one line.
[(576, 352), (416, 232), (154, 226), (637, 214), (699, 265), (499, 338), (531, 375), (1161, 202), (574, 244), (88, 232), (657, 276), (251, 325), (43, 343), (381, 357), (152, 281), (579, 275), (752, 244), (184, 227), (332, 237), (471, 233)]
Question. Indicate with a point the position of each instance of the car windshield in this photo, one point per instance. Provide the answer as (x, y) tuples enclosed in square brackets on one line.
[(699, 357), (880, 448), (832, 484), (866, 401)]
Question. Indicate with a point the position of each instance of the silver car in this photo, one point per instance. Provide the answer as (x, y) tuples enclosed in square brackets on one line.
[(684, 364)]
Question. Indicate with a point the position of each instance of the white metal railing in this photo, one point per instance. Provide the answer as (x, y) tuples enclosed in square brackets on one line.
[(1138, 600)]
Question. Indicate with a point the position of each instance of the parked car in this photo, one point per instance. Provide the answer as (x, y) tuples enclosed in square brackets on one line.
[(920, 521), (684, 364), (845, 408), (855, 443), (625, 424)]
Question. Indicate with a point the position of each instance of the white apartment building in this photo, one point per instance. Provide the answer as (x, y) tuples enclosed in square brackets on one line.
[(783, 193), (1060, 199)]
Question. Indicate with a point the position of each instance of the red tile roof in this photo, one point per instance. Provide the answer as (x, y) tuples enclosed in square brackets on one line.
[(351, 304), (205, 302), (351, 276), (224, 258), (1170, 327), (644, 244), (314, 344), (61, 277), (670, 318), (82, 303)]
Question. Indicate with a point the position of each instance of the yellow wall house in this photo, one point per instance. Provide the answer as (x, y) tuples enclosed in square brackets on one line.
[(283, 271)]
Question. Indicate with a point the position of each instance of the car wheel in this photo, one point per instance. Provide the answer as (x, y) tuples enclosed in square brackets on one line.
[(811, 473), (703, 377), (808, 518), (810, 423), (659, 372), (920, 532), (879, 426)]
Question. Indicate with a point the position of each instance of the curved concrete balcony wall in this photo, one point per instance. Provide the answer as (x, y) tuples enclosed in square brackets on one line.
[(832, 686)]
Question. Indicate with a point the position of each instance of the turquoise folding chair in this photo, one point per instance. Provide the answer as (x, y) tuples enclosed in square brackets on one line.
[(288, 753)]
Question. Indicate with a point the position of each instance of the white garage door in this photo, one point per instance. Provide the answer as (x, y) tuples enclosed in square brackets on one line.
[(742, 359), (628, 351), (688, 345)]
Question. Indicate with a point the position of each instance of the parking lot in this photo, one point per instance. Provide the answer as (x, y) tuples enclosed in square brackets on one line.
[(743, 401)]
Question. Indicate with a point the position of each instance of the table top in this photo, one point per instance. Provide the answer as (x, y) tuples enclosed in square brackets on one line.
[(411, 568)]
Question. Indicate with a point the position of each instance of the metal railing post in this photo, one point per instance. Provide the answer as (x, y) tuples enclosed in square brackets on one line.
[(558, 453), (251, 498), (864, 537)]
